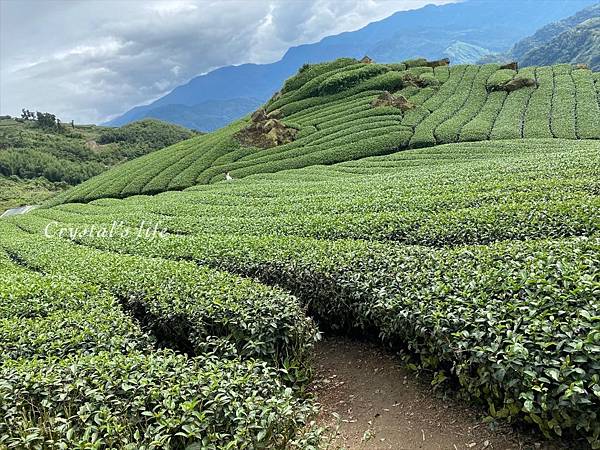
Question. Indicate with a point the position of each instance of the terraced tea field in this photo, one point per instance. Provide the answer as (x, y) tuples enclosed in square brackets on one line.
[(189, 317), (331, 107)]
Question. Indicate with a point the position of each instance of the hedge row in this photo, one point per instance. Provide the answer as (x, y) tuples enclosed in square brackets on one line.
[(309, 71), (184, 306), (312, 87), (76, 371), (510, 121), (526, 200), (512, 322), (449, 131), (538, 116), (342, 81), (149, 400), (425, 131), (587, 109), (563, 105), (480, 127)]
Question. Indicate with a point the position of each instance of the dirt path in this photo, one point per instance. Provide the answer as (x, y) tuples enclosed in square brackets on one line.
[(382, 406)]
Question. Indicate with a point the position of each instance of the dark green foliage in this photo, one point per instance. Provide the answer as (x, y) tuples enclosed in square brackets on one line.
[(144, 136), (32, 150), (29, 164), (147, 400), (309, 71), (48, 121)]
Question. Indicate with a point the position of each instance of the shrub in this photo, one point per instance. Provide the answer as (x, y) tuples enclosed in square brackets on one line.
[(344, 80), (309, 71), (146, 400)]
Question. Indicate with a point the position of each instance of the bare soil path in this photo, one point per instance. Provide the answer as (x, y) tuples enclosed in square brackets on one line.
[(382, 406)]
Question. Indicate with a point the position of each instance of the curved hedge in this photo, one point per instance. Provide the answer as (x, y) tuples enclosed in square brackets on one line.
[(147, 400), (482, 259)]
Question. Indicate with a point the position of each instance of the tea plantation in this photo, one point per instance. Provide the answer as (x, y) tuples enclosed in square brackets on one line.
[(481, 259), (331, 107)]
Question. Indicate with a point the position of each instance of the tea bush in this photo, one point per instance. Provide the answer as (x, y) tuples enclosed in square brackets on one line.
[(495, 285)]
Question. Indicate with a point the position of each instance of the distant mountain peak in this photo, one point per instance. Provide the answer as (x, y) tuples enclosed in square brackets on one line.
[(463, 31)]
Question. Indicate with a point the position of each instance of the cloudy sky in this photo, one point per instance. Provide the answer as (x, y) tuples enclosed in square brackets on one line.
[(91, 60)]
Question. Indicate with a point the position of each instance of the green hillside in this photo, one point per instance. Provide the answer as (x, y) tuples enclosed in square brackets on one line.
[(580, 44), (15, 191), (571, 40), (37, 161), (481, 258), (327, 110)]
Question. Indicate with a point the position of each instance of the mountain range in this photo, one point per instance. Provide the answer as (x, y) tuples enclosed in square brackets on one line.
[(574, 40), (464, 32)]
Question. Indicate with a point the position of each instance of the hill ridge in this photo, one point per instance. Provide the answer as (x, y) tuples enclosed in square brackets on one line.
[(330, 109), (430, 31)]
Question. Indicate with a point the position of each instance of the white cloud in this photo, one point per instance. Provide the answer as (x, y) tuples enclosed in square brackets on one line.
[(90, 60), (173, 7)]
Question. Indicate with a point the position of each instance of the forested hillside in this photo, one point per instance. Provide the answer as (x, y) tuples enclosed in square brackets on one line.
[(579, 45), (36, 161), (573, 40)]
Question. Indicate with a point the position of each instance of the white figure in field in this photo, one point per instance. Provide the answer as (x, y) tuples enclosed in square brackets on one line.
[(228, 177)]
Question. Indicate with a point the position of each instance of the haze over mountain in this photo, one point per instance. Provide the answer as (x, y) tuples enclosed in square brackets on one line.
[(88, 61), (574, 40), (462, 31), (579, 44)]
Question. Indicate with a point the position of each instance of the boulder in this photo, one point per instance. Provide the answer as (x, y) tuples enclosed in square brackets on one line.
[(266, 132), (518, 83), (387, 99), (275, 114), (279, 136), (259, 115), (413, 80), (270, 124)]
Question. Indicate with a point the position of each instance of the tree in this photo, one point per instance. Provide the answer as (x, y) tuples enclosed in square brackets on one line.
[(27, 115), (49, 122)]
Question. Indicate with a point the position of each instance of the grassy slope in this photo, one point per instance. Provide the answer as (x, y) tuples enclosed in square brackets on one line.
[(339, 126), (36, 163)]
